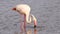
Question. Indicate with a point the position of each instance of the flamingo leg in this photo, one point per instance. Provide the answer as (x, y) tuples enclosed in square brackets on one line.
[(24, 21)]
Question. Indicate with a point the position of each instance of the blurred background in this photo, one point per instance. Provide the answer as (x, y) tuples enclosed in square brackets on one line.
[(47, 13)]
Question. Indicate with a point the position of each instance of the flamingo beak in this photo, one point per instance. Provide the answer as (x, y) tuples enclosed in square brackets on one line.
[(14, 8)]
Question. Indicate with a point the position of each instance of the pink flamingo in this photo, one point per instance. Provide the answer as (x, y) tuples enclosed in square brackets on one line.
[(25, 10)]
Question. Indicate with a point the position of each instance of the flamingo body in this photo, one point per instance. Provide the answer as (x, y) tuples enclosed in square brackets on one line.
[(23, 8)]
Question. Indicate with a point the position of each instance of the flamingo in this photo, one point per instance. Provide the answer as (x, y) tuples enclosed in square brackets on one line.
[(25, 10)]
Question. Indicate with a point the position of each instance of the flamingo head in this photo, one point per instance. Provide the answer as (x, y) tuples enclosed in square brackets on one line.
[(22, 8)]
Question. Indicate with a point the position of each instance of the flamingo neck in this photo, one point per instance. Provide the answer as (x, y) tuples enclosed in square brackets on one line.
[(27, 18)]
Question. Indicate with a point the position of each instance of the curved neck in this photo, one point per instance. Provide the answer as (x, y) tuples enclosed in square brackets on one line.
[(28, 19)]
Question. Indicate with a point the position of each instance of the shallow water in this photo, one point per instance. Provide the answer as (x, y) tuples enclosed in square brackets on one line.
[(47, 13)]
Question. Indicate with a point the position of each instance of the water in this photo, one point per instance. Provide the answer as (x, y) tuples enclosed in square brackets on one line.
[(47, 13)]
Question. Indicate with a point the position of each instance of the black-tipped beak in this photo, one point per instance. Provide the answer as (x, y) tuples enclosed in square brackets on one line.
[(13, 8), (34, 26)]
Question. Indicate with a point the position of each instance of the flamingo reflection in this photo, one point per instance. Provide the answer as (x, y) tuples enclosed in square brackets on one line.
[(35, 31), (28, 31)]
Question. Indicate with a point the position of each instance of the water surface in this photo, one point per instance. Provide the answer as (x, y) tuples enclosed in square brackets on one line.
[(47, 13)]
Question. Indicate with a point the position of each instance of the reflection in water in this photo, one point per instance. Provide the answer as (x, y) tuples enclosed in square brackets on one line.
[(23, 29), (28, 31), (35, 31)]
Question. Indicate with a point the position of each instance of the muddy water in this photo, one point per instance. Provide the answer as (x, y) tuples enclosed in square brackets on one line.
[(47, 13)]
